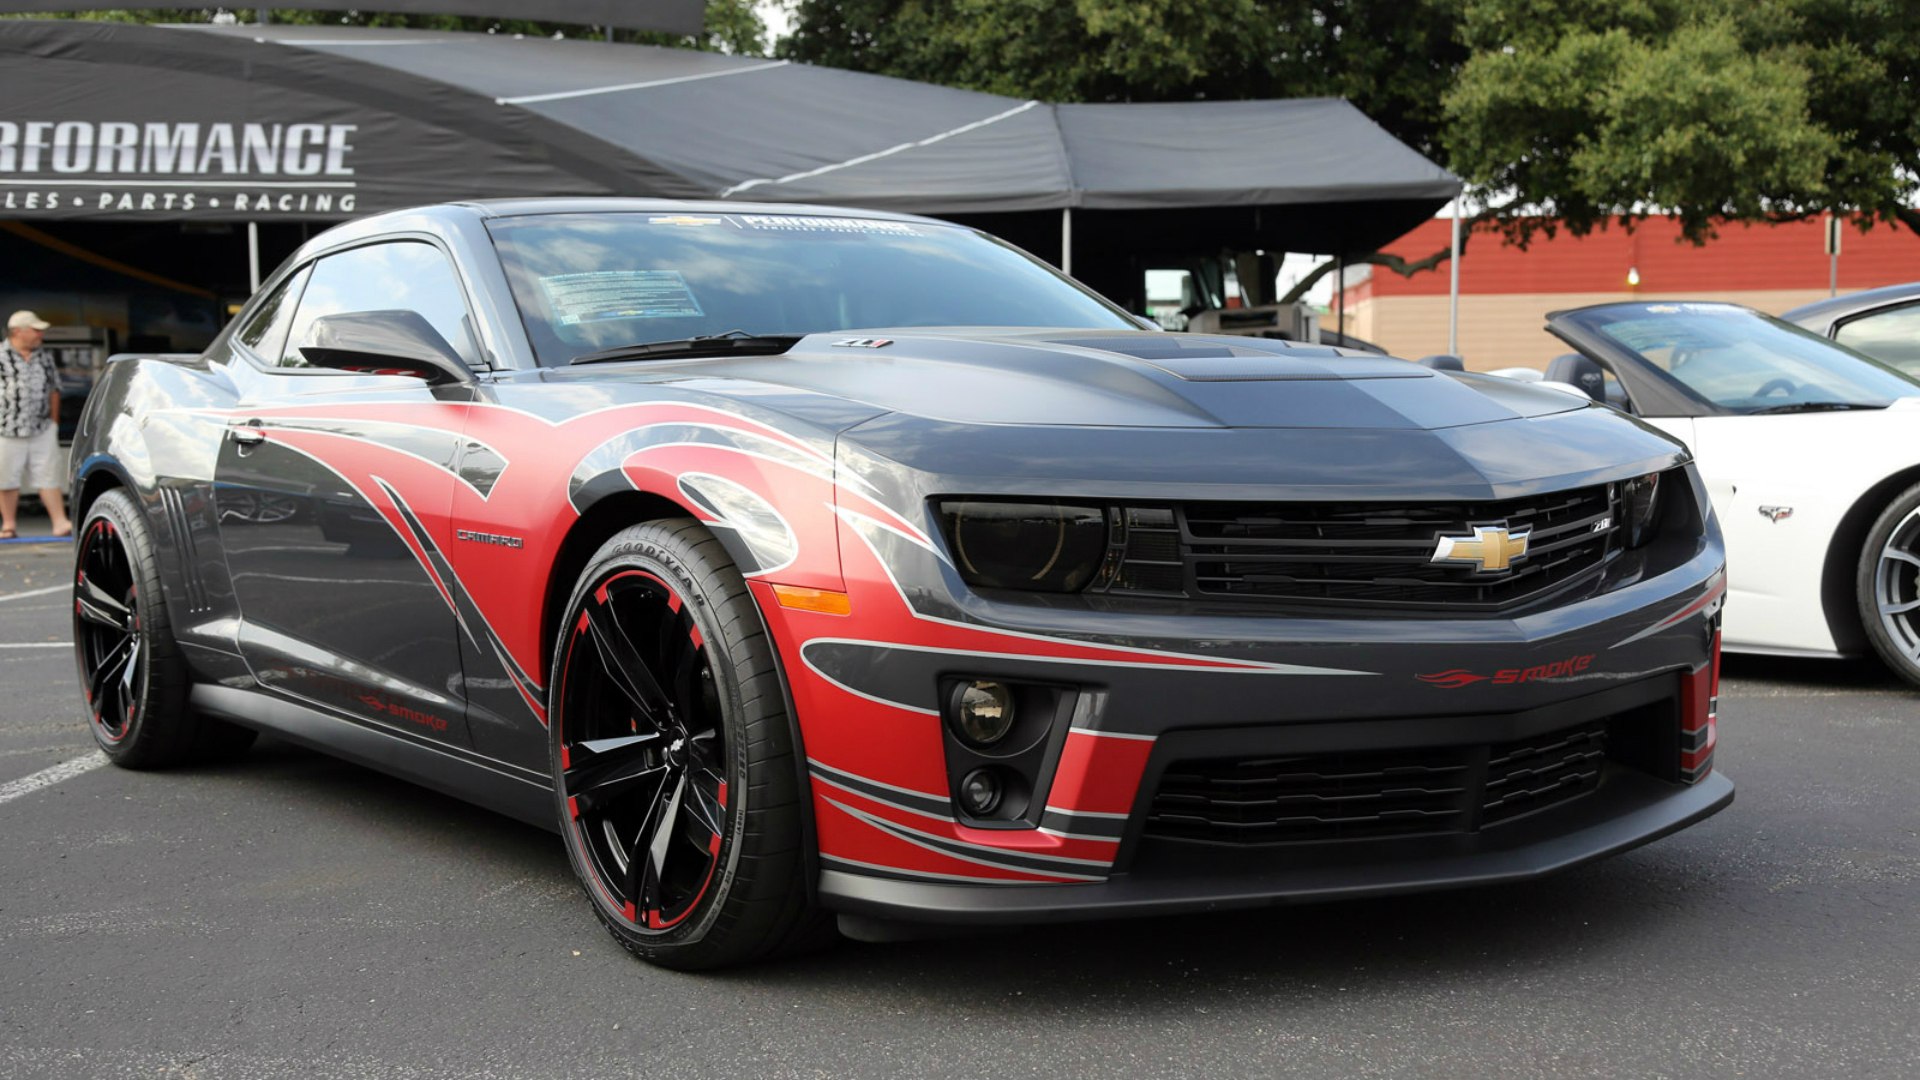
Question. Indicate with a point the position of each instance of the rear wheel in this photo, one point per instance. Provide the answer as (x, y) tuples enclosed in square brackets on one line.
[(1888, 584), (131, 673), (672, 758)]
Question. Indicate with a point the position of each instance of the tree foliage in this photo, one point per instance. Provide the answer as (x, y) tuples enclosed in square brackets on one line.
[(1571, 113), (1712, 110), (1393, 60)]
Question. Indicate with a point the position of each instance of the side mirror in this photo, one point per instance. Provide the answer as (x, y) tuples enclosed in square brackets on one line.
[(384, 343)]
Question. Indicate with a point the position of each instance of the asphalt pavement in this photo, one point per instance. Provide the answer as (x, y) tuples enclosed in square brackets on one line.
[(290, 915)]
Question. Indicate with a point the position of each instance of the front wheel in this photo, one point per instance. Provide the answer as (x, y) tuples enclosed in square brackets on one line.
[(673, 765), (131, 673), (1888, 584)]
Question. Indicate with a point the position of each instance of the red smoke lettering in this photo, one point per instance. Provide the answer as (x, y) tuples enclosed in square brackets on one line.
[(1455, 678)]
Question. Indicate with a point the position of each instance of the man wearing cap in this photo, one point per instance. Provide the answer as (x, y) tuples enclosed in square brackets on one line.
[(29, 425)]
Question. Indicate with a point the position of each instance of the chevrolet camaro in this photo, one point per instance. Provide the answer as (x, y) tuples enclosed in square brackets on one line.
[(806, 567)]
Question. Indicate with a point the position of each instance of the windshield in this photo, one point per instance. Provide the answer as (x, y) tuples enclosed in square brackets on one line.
[(588, 282), (1742, 360)]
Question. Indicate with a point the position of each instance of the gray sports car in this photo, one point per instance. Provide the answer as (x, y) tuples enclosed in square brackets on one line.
[(805, 563)]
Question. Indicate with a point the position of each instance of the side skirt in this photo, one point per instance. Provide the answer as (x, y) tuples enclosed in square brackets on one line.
[(476, 780)]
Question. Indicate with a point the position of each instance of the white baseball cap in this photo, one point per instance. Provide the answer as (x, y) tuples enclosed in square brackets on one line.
[(27, 319)]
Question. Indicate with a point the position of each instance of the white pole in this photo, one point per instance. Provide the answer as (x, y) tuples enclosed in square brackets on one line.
[(1066, 240), (253, 256), (1453, 287)]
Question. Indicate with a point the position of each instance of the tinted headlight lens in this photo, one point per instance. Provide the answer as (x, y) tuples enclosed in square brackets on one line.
[(1045, 547), (1640, 503)]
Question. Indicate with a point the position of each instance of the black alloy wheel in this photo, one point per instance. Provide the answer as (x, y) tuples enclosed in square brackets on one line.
[(132, 675), (642, 758), (1888, 585), (107, 631), (674, 774)]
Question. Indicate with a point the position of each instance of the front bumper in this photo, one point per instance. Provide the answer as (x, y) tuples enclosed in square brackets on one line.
[(1624, 815), (1637, 793), (1139, 690)]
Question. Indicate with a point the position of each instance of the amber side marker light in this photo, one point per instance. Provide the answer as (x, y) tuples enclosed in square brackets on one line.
[(827, 603)]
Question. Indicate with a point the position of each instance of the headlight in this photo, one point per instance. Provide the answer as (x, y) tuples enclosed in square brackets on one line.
[(1639, 503), (1043, 547)]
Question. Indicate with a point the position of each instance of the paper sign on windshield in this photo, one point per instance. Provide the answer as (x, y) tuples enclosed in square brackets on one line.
[(601, 295)]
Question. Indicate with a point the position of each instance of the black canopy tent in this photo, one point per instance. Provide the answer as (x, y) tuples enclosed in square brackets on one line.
[(106, 121), (668, 16)]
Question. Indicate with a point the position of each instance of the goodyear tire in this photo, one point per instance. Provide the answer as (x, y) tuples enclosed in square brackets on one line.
[(673, 764)]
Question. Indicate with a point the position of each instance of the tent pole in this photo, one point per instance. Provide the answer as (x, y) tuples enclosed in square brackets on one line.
[(1066, 240), (1453, 286), (253, 256), (1340, 299)]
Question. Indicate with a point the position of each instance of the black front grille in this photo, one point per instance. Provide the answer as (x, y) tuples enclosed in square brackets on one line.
[(1527, 775), (1315, 798), (1366, 554)]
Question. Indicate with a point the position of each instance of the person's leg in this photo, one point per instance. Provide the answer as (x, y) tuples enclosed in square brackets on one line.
[(13, 462), (44, 468), (50, 498)]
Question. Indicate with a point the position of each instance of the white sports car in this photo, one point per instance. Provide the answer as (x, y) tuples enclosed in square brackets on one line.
[(1810, 452)]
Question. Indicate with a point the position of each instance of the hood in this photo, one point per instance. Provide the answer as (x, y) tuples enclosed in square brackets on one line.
[(1118, 379)]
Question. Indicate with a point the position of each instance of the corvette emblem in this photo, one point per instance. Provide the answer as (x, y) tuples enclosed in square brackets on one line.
[(1491, 547), (1776, 514)]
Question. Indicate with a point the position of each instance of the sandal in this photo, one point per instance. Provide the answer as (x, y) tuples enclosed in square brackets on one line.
[(9, 534)]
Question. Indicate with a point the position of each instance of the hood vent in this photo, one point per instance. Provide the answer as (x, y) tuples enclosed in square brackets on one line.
[(1214, 359)]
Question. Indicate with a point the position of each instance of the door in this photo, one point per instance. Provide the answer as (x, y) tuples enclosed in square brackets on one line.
[(333, 491)]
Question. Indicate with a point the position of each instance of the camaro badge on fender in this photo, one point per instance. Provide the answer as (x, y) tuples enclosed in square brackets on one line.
[(1491, 547)]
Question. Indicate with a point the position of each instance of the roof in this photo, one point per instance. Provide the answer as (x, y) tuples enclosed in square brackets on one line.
[(443, 115), (1823, 313)]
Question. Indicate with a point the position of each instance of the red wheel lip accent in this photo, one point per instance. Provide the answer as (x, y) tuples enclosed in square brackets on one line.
[(96, 715), (626, 911)]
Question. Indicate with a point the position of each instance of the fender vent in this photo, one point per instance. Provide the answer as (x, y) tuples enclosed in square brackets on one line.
[(180, 524)]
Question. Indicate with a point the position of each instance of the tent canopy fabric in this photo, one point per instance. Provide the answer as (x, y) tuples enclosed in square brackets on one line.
[(402, 117), (667, 16)]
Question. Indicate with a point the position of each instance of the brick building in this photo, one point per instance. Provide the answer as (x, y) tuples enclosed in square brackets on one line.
[(1505, 293)]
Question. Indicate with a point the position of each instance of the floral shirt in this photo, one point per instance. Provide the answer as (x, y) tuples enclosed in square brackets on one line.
[(27, 385)]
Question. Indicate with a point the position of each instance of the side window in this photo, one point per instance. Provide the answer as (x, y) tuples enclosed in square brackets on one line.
[(1890, 335), (266, 332), (404, 275)]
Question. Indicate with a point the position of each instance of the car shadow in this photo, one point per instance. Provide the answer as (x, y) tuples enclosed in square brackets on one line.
[(1280, 953), (1853, 673), (1277, 953)]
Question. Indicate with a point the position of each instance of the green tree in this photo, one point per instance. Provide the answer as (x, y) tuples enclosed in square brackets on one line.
[(1712, 110), (1558, 113), (1394, 60)]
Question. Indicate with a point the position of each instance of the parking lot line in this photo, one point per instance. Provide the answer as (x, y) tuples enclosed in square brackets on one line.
[(48, 591), (36, 644), (45, 778)]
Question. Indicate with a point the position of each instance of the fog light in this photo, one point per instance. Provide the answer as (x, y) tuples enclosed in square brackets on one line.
[(983, 712), (980, 792)]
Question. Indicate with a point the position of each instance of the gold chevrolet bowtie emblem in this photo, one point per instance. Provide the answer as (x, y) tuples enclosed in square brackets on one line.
[(1491, 547)]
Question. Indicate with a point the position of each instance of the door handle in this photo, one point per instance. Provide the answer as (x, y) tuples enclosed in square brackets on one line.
[(250, 435)]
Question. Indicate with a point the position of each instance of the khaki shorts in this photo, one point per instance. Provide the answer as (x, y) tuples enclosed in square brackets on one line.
[(33, 461)]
